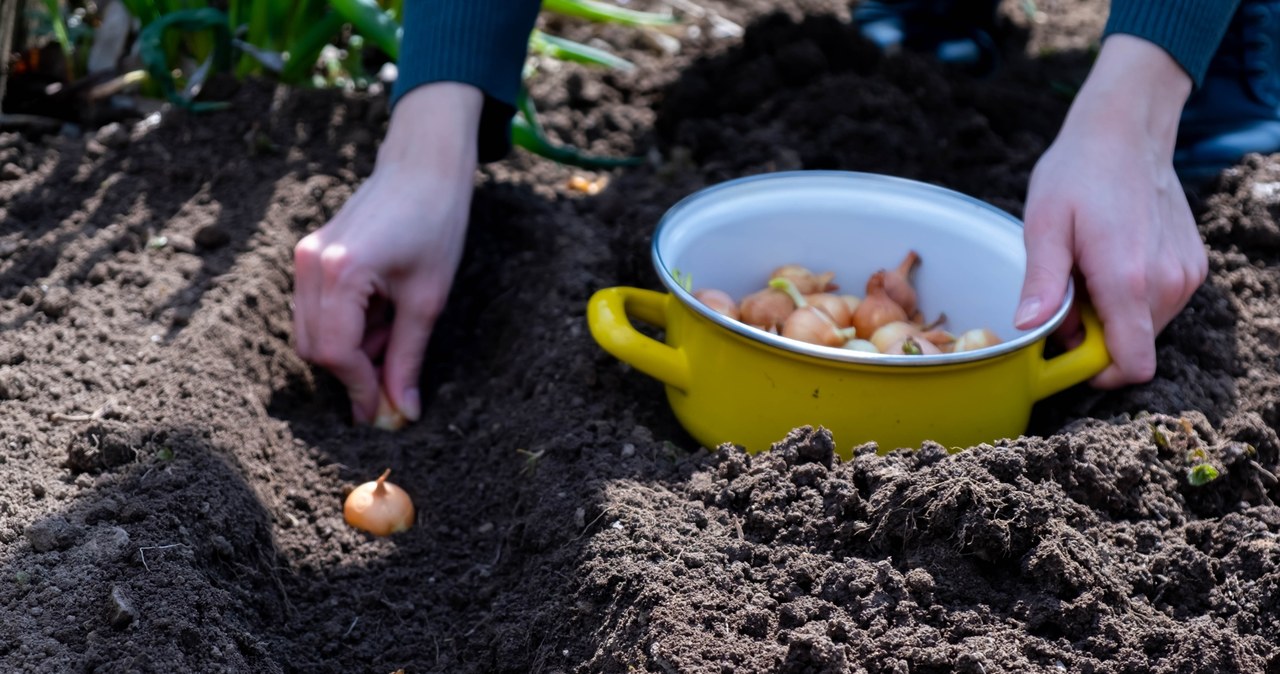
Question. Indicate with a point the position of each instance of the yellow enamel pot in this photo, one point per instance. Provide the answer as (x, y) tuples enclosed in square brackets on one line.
[(729, 382)]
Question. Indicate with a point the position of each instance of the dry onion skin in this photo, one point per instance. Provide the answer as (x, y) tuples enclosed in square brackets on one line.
[(897, 283), (805, 280), (834, 305), (379, 507)]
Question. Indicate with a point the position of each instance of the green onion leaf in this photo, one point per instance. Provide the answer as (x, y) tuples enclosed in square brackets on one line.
[(151, 50), (524, 135), (608, 13), (59, 31), (304, 53), (373, 23), (568, 50)]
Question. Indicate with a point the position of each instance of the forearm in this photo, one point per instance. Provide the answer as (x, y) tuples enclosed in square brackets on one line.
[(482, 43), (1135, 87), (433, 130), (1189, 30)]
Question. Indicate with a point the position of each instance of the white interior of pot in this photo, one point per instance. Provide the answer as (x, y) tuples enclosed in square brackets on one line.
[(731, 236)]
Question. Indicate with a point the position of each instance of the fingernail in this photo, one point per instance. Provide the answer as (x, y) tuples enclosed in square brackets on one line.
[(411, 404), (1026, 311)]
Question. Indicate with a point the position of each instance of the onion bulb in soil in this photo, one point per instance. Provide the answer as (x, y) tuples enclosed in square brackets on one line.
[(897, 283), (805, 281), (718, 301), (379, 507), (877, 308), (388, 418), (978, 338)]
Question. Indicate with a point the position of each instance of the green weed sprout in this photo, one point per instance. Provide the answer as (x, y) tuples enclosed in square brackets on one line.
[(1202, 474)]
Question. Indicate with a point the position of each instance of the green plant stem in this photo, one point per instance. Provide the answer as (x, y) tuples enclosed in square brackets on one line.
[(303, 53), (60, 34), (601, 11), (786, 286), (524, 135), (151, 50), (568, 50), (373, 23)]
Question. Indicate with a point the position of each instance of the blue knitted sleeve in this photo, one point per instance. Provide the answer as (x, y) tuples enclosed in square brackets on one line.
[(1189, 30), (478, 42)]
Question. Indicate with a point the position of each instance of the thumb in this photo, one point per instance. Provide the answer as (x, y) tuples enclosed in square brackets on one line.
[(405, 352), (1048, 238)]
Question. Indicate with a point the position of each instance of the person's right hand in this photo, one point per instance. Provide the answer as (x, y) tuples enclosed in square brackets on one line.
[(395, 245)]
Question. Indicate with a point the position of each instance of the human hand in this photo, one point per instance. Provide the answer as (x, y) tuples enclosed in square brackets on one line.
[(395, 244), (1104, 200)]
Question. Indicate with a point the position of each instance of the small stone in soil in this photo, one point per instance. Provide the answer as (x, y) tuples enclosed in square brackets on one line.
[(212, 236), (121, 611), (56, 302), (50, 534), (182, 243), (112, 135), (222, 546), (108, 544)]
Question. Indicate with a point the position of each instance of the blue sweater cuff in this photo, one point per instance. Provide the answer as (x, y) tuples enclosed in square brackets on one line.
[(1189, 30), (478, 42)]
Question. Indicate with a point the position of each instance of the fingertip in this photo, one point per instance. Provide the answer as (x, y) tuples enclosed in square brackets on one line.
[(1109, 379), (405, 354), (364, 404), (411, 404), (1027, 313)]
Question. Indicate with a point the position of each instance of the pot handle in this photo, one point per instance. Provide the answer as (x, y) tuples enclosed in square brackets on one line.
[(608, 313), (1076, 365)]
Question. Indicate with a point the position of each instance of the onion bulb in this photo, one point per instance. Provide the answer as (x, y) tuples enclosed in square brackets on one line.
[(806, 281), (877, 308), (766, 309), (940, 338), (718, 301), (861, 345), (913, 345), (379, 507), (891, 333), (978, 338), (834, 306), (853, 301), (897, 283), (811, 324), (388, 417)]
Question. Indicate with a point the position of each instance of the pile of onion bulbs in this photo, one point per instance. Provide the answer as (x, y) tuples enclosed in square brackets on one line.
[(799, 304)]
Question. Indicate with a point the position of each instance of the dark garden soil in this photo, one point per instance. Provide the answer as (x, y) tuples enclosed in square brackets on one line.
[(174, 473)]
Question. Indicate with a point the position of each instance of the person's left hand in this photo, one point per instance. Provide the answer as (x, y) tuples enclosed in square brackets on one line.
[(1104, 200)]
